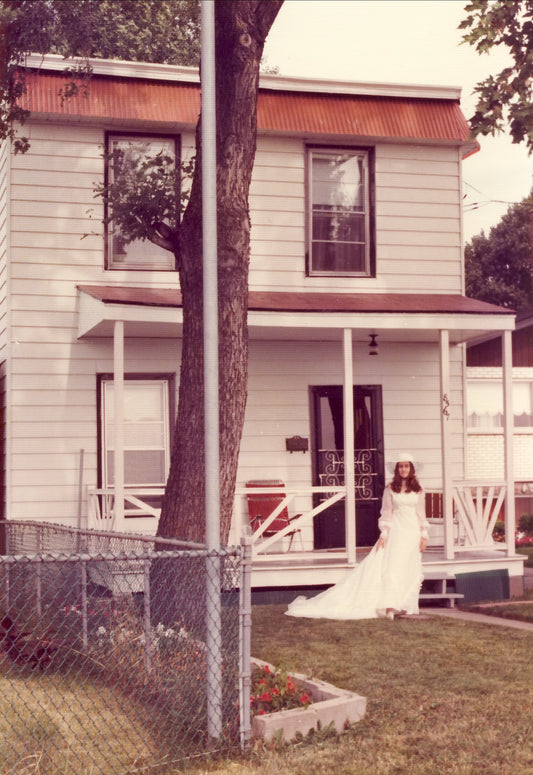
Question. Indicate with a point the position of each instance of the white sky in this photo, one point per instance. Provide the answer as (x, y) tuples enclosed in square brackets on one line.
[(405, 41)]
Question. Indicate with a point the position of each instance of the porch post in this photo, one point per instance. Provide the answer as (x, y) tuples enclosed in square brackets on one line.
[(447, 497), (508, 439), (118, 388), (349, 447)]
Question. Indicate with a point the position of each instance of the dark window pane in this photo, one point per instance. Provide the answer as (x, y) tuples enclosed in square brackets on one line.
[(338, 257), (339, 228)]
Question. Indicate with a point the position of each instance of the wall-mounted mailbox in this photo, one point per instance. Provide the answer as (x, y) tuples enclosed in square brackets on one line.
[(297, 444)]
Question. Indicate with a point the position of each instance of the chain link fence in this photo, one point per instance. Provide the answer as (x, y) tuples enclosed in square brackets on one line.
[(119, 654)]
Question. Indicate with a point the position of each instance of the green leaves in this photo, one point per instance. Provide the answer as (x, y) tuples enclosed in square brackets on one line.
[(498, 267), (505, 98)]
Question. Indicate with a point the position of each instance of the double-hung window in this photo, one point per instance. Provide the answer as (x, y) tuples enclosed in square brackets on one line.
[(340, 219), (146, 432), (124, 154), (485, 405)]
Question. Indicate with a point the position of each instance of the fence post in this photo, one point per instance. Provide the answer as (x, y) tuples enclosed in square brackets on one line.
[(147, 624), (245, 640), (84, 603)]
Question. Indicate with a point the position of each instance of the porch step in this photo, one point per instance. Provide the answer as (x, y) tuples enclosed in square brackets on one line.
[(438, 583), (451, 597)]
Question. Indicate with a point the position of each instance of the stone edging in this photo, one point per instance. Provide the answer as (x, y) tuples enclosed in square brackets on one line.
[(330, 706)]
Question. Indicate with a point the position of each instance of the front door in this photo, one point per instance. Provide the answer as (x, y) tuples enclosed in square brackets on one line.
[(328, 461)]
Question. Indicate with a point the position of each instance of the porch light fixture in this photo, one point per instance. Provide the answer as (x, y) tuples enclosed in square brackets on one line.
[(373, 345)]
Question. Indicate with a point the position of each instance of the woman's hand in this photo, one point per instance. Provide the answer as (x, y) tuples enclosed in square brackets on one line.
[(381, 542), (423, 544)]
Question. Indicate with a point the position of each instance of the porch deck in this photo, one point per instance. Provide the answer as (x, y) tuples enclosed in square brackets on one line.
[(316, 569)]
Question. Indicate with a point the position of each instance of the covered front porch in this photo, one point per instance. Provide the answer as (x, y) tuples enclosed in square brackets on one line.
[(324, 340)]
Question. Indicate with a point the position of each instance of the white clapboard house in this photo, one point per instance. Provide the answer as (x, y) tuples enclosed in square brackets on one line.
[(358, 320)]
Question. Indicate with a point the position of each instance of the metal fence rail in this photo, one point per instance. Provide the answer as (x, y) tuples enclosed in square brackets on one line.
[(103, 656)]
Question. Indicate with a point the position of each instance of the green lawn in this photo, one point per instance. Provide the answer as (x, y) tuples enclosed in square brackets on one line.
[(443, 696)]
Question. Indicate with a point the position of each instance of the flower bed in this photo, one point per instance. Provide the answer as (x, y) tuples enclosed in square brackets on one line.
[(310, 704)]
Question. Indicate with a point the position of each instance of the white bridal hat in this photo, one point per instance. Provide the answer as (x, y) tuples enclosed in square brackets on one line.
[(403, 457)]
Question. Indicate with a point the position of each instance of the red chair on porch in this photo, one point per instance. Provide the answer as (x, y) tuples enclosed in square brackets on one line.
[(261, 506)]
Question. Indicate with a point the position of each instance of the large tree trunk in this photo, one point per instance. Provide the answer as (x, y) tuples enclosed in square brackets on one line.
[(241, 28)]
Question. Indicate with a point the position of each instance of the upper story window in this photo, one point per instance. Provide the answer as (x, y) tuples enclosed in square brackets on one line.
[(485, 404), (124, 153), (340, 239)]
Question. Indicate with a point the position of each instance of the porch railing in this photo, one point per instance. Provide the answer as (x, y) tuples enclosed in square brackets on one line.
[(137, 503), (260, 544), (477, 508)]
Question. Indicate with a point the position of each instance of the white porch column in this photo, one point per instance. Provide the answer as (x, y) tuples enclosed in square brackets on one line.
[(508, 440), (349, 447), (118, 391), (447, 498)]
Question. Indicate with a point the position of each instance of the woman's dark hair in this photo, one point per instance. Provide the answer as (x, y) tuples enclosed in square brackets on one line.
[(411, 483)]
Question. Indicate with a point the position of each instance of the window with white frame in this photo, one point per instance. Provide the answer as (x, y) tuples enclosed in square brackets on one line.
[(146, 432), (484, 400), (340, 218), (125, 152)]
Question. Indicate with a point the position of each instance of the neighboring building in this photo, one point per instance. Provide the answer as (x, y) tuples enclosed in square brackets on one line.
[(356, 239), (485, 440)]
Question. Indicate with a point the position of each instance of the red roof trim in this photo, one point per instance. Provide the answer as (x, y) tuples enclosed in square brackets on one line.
[(344, 115), (271, 301)]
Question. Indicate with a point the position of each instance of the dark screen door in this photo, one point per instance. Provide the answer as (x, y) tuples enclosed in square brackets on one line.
[(328, 461)]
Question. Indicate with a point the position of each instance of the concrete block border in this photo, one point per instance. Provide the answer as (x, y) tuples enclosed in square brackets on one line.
[(330, 705)]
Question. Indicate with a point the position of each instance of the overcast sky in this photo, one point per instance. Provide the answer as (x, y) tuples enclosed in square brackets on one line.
[(405, 41)]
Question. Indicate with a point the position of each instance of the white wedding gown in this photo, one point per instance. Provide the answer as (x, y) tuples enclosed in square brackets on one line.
[(388, 578)]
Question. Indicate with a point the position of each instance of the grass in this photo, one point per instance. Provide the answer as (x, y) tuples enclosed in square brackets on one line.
[(443, 696), (519, 609), (50, 727)]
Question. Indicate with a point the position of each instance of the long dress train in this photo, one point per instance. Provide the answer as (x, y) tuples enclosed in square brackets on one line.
[(388, 578)]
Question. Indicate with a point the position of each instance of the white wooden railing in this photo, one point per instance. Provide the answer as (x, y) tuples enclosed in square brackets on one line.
[(477, 507), (101, 508), (260, 544)]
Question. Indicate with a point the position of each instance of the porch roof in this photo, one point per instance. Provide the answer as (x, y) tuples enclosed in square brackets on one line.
[(288, 315)]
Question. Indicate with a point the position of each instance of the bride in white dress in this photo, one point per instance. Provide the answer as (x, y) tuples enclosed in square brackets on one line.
[(387, 582)]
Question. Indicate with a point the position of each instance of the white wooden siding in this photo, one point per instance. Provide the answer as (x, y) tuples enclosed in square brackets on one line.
[(417, 196), (53, 411)]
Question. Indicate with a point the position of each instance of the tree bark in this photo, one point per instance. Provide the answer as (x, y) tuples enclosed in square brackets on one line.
[(241, 27)]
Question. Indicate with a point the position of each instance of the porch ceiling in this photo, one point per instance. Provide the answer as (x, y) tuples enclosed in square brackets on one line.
[(405, 317)]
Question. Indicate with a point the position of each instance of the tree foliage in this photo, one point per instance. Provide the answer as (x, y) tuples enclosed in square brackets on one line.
[(163, 31), (499, 267), (507, 96)]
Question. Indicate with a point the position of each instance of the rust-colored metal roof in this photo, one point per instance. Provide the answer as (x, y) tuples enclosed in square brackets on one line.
[(272, 301), (309, 113)]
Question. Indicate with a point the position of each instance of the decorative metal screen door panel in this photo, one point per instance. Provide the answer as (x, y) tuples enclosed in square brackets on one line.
[(328, 461)]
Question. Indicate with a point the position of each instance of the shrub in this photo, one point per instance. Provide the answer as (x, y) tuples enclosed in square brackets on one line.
[(525, 524)]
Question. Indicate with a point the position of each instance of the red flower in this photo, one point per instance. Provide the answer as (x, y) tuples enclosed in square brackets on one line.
[(266, 697), (305, 699)]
